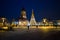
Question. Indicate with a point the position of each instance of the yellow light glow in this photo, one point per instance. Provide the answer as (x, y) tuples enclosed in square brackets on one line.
[(24, 22), (19, 22), (5, 27)]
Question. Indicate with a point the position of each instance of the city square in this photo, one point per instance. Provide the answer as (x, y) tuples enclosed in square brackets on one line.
[(29, 19)]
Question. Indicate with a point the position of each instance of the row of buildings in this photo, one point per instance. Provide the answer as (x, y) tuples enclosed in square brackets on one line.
[(23, 21)]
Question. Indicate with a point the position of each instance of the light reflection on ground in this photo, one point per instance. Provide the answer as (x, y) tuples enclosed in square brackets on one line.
[(43, 28), (40, 33)]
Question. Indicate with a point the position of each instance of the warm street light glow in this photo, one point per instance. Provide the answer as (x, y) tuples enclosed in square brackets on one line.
[(5, 27), (19, 23)]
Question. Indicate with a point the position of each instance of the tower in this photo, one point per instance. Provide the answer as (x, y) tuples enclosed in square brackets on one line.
[(23, 13), (23, 19), (32, 20)]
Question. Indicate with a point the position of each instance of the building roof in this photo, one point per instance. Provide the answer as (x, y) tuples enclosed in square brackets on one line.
[(23, 9)]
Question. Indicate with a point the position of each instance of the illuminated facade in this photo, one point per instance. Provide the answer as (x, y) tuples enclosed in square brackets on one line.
[(45, 21), (50, 23), (14, 23), (32, 20), (3, 21), (58, 22), (23, 19)]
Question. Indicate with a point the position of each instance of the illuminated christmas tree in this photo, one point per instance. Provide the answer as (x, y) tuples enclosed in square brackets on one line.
[(32, 21)]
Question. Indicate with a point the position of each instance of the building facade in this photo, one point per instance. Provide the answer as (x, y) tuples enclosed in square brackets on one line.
[(23, 19)]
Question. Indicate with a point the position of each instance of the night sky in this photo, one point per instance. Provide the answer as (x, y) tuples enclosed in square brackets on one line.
[(42, 8)]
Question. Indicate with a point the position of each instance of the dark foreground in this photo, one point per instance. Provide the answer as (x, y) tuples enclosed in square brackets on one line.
[(32, 34)]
